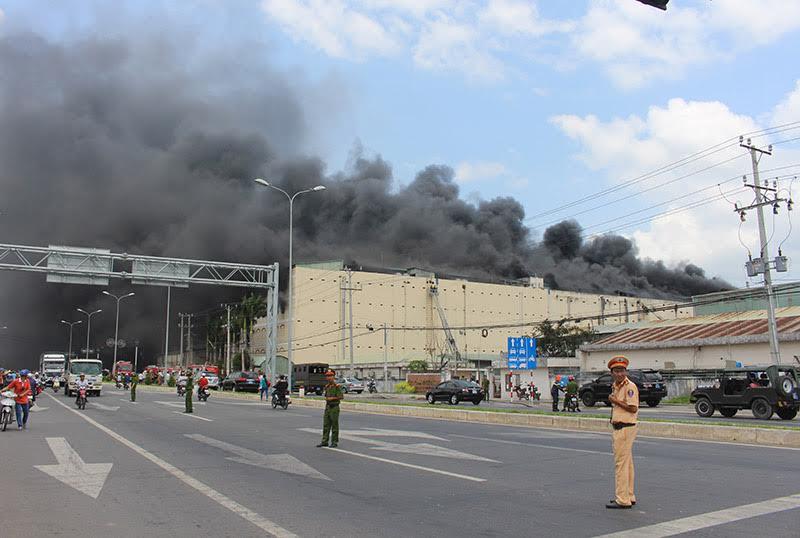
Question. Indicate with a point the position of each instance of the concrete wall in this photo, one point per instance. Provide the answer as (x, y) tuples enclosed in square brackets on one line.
[(403, 302)]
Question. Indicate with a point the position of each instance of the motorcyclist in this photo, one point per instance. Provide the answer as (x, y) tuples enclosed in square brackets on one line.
[(572, 392), (202, 384), (281, 388), (119, 380), (21, 388), (81, 383)]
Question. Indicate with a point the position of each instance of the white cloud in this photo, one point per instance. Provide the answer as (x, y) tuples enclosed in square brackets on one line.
[(624, 148), (446, 45), (467, 172), (518, 17), (2, 15), (331, 26), (637, 44)]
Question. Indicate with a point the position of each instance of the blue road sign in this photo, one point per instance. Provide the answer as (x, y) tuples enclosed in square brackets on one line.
[(521, 353)]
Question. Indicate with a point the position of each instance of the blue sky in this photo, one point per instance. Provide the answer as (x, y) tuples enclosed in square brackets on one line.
[(545, 101)]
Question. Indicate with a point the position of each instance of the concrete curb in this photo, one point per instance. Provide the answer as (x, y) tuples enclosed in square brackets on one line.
[(668, 430)]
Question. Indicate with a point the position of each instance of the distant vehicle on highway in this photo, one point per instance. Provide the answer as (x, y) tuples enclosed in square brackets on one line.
[(351, 384), (213, 379), (310, 376), (652, 388), (123, 368), (455, 391), (765, 392), (92, 368), (241, 381), (51, 366)]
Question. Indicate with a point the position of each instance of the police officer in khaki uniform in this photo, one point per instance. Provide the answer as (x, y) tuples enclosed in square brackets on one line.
[(330, 421), (624, 400)]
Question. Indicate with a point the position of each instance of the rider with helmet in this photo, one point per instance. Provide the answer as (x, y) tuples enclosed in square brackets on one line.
[(202, 385), (21, 388), (281, 388), (571, 392), (81, 383)]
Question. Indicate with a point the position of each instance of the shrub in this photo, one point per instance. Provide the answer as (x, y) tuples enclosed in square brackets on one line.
[(171, 381), (404, 387)]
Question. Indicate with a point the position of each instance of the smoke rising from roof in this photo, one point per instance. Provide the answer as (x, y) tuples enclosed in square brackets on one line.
[(141, 146)]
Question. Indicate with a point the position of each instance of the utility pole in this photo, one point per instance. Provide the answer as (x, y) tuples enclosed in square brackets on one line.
[(228, 352), (350, 289), (136, 357), (385, 358), (180, 317), (763, 263), (189, 343), (166, 336), (342, 315)]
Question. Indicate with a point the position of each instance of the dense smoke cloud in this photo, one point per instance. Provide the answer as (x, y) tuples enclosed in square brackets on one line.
[(138, 148)]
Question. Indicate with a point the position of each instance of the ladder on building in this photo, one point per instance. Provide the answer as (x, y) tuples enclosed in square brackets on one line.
[(451, 347)]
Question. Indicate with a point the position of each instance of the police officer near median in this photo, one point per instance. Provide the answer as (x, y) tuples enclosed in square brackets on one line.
[(624, 400), (134, 382), (330, 421), (189, 390)]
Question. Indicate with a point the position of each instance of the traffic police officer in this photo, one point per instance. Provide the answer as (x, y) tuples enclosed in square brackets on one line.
[(134, 382), (624, 400), (330, 421), (189, 390)]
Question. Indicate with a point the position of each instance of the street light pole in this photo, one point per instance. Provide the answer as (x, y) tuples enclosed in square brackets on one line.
[(290, 325), (116, 325), (88, 325), (71, 324)]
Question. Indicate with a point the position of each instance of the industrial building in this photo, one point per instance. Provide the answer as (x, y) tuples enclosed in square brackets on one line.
[(725, 340), (411, 310)]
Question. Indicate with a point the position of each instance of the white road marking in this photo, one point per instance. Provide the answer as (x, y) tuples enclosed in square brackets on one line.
[(124, 400), (424, 449), (530, 444), (37, 408), (402, 464), (711, 519), (245, 513), (104, 407), (87, 478), (172, 404), (193, 416), (394, 433), (277, 462)]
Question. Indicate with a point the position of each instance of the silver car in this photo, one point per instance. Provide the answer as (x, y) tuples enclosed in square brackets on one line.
[(351, 384)]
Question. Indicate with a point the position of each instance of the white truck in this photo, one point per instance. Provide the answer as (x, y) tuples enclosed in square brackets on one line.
[(51, 366), (93, 369)]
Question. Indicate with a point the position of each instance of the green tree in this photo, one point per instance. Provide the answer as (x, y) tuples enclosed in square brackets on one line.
[(418, 366), (559, 339)]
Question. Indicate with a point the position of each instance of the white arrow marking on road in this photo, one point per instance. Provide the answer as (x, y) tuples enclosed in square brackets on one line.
[(87, 478), (104, 407), (395, 433), (38, 408), (172, 404), (278, 462), (424, 449)]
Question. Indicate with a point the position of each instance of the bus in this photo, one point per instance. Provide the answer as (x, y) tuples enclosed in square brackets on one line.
[(310, 376)]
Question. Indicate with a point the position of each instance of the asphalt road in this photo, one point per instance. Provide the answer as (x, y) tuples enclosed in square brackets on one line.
[(239, 468), (663, 411)]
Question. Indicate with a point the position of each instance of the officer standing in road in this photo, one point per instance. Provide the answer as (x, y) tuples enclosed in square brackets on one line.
[(624, 400), (189, 390), (134, 382), (554, 390), (330, 421)]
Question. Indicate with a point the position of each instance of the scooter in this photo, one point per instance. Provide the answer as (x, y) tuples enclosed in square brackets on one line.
[(571, 403), (56, 385), (81, 401), (283, 402), (7, 404), (202, 394), (181, 389), (372, 387), (119, 384), (522, 394)]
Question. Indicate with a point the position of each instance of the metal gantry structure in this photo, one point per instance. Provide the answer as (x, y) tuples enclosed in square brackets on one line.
[(91, 266)]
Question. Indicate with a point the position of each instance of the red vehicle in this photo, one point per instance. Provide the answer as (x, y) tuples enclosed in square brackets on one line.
[(211, 368), (122, 367)]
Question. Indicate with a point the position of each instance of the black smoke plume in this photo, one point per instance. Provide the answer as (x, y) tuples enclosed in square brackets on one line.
[(141, 146)]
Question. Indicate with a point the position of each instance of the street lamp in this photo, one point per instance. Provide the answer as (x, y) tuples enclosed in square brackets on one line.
[(88, 325), (71, 324), (290, 326), (116, 325)]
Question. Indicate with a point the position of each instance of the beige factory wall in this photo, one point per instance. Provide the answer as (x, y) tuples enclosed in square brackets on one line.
[(686, 358), (403, 302)]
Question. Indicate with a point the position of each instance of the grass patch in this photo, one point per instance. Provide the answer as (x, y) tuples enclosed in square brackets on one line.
[(677, 400)]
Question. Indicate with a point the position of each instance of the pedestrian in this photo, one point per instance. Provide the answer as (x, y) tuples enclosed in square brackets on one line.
[(263, 387), (330, 420), (21, 387), (134, 383), (485, 387), (189, 389), (624, 400), (554, 390)]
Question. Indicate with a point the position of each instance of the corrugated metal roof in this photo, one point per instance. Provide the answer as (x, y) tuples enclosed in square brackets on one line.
[(728, 324)]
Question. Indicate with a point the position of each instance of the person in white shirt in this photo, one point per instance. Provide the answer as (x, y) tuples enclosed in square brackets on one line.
[(81, 383)]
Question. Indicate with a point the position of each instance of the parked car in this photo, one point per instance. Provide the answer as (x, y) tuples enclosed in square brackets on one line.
[(763, 391), (455, 391), (351, 384), (652, 388), (241, 381)]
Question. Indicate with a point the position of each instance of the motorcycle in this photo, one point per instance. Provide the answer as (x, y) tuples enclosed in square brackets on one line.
[(181, 389), (278, 401), (202, 394), (119, 384), (56, 385), (521, 393), (81, 401), (571, 403), (7, 412), (372, 387)]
